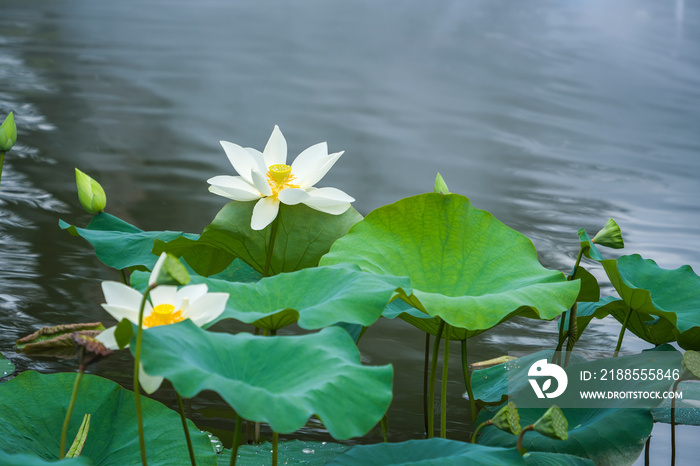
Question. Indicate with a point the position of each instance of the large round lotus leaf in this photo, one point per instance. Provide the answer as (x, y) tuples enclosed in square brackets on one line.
[(303, 236), (281, 381), (428, 452), (29, 459), (605, 431), (119, 244), (292, 452), (673, 295), (314, 298), (33, 407), (465, 266)]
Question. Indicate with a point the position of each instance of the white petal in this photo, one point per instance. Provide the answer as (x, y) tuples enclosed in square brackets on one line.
[(156, 269), (149, 383), (309, 161), (107, 338), (164, 294), (261, 183), (122, 312), (293, 196), (119, 294), (329, 200), (207, 308), (276, 149), (315, 176), (233, 187), (191, 292), (264, 212), (243, 160)]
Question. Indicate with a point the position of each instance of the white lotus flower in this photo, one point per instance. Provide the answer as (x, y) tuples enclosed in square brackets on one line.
[(168, 305), (267, 177)]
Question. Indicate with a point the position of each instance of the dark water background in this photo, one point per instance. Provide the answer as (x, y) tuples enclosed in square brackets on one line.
[(552, 114)]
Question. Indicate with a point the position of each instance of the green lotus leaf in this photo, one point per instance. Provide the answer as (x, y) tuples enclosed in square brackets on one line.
[(281, 381), (313, 298), (292, 452), (465, 266), (303, 236), (672, 295), (687, 408), (691, 365), (590, 290), (119, 244), (588, 246), (33, 406), (606, 431), (6, 367), (29, 459), (492, 385), (539, 458), (427, 452)]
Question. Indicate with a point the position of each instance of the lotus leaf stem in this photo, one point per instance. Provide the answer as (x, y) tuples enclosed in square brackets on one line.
[(443, 385), (426, 368), (275, 441), (271, 246), (622, 333), (468, 381), (137, 387), (2, 162), (71, 405), (673, 423), (234, 445), (431, 387), (193, 460)]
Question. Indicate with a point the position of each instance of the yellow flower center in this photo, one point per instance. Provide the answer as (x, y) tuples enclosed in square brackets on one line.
[(279, 177), (163, 314)]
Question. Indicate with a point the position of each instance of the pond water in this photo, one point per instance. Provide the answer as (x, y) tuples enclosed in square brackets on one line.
[(552, 114)]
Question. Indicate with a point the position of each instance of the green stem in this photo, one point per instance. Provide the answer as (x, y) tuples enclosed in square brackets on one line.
[(275, 441), (271, 246), (481, 426), (647, 460), (520, 438), (426, 368), (572, 333), (384, 424), (71, 405), (468, 381), (187, 431), (2, 162), (126, 282), (234, 446), (431, 387), (137, 387), (622, 333), (443, 386), (673, 423)]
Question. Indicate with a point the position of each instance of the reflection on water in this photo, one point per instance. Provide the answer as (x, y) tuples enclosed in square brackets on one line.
[(553, 115)]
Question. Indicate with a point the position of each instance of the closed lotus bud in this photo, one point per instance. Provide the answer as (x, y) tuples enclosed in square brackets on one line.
[(8, 133), (553, 424), (610, 236), (91, 195), (507, 419)]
